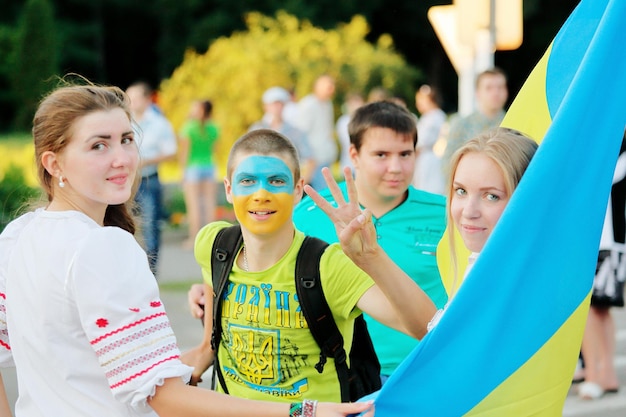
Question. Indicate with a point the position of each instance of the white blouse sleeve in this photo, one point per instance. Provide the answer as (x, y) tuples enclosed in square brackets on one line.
[(123, 317), (7, 241)]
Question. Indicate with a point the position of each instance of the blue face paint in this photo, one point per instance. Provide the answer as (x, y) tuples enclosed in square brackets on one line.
[(258, 172)]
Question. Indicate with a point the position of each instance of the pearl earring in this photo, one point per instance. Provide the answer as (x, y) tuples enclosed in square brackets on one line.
[(61, 183)]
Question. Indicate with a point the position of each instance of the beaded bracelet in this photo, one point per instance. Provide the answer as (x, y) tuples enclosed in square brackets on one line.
[(308, 408), (295, 410)]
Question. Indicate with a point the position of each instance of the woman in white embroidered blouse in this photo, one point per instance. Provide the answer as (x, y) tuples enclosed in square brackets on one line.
[(80, 313)]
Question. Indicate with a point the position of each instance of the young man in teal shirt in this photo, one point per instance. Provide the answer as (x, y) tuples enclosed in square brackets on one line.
[(409, 222)]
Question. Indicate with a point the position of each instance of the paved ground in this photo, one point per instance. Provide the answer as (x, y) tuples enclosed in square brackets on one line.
[(177, 270)]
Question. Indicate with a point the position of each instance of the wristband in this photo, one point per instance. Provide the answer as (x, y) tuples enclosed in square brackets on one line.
[(295, 410), (308, 408)]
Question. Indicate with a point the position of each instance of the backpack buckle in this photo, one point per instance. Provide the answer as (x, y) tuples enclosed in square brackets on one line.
[(334, 346), (307, 283), (221, 254), (320, 365)]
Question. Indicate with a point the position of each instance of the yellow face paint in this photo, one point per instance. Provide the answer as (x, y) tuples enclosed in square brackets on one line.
[(263, 188)]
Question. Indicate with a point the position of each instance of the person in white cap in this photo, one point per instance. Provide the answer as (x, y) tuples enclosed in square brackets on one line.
[(274, 100), (317, 119)]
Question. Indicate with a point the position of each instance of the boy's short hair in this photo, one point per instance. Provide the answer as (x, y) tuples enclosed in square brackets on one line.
[(265, 142), (381, 114)]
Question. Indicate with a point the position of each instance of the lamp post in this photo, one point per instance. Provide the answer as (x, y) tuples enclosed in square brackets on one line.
[(470, 32)]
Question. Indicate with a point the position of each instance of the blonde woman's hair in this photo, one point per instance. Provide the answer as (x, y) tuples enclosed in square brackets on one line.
[(510, 149)]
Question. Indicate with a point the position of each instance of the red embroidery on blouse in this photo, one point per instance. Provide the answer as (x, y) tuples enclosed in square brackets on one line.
[(135, 309), (5, 345), (3, 295), (102, 322), (155, 304), (131, 338), (138, 374), (147, 359), (128, 326)]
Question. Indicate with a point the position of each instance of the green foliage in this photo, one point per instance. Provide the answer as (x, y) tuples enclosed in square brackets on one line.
[(236, 70), (7, 46), (7, 97), (174, 201), (36, 59), (96, 43), (15, 195)]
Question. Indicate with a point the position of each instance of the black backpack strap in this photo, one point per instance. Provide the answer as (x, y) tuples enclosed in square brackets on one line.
[(317, 312), (225, 246)]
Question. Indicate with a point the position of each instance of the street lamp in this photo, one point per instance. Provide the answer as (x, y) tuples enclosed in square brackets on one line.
[(470, 32)]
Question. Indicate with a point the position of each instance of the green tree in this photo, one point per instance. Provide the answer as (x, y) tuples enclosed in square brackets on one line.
[(36, 59), (15, 195), (119, 41), (236, 70), (7, 46)]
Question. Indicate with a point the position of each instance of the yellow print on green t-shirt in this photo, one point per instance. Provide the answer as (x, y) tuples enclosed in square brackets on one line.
[(252, 351), (259, 304), (256, 320)]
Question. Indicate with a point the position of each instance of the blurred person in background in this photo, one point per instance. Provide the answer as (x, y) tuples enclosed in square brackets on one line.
[(428, 175), (352, 103), (274, 100), (197, 139), (157, 143), (598, 347), (491, 95), (316, 118)]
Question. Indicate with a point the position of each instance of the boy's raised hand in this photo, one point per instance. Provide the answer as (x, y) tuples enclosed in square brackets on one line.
[(354, 227)]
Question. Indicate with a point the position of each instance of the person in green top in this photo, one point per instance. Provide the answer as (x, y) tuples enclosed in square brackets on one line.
[(197, 139), (409, 222)]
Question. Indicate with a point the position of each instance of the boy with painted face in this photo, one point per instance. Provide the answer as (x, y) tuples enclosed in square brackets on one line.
[(266, 349)]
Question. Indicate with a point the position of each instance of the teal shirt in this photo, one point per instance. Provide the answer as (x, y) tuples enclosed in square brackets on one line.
[(409, 234)]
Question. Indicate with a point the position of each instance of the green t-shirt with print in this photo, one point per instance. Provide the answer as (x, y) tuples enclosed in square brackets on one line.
[(266, 350)]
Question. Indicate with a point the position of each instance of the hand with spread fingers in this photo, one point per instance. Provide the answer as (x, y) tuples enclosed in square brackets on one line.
[(354, 227), (358, 239)]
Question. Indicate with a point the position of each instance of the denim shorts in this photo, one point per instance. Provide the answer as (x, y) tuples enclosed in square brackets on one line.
[(199, 173)]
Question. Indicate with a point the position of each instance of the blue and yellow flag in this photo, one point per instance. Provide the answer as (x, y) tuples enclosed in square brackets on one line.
[(509, 341)]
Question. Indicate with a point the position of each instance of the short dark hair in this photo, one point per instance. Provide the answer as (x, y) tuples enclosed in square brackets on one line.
[(431, 92), (381, 114), (144, 86), (265, 142), (490, 72)]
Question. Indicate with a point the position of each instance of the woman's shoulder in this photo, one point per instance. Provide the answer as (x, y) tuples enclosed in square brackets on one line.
[(58, 225), (110, 241), (15, 227), (11, 234)]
